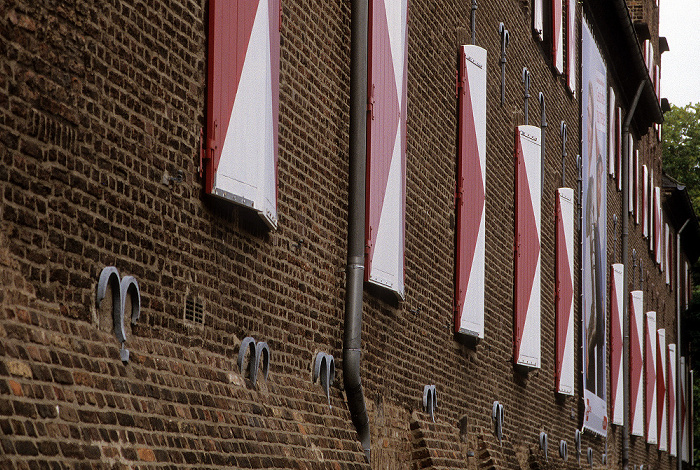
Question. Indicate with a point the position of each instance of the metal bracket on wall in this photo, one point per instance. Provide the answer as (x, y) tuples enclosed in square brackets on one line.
[(324, 371), (563, 450), (257, 352), (121, 288), (544, 444), (430, 400), (577, 442), (526, 93), (505, 39), (543, 126), (497, 417), (590, 457), (604, 455), (473, 22)]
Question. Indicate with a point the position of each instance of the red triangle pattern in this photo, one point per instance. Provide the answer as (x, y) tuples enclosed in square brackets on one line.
[(471, 185), (650, 371), (382, 121), (615, 336), (671, 403), (528, 245), (660, 388), (636, 361), (565, 290)]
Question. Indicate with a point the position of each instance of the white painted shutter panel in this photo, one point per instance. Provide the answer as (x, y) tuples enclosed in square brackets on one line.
[(386, 145), (637, 198), (243, 104), (645, 201), (471, 178), (612, 133), (630, 172), (661, 395), (571, 45), (558, 35), (538, 18), (658, 223), (650, 377), (652, 210), (618, 148), (564, 373), (685, 408), (616, 331), (636, 363), (672, 397), (528, 195), (471, 190), (667, 252)]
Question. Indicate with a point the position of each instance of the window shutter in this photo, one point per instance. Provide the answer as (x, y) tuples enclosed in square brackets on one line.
[(650, 376), (630, 172), (637, 199), (671, 387), (616, 329), (661, 398), (243, 104), (636, 363), (668, 255), (611, 133), (571, 44), (538, 19), (645, 201), (558, 35), (564, 373), (658, 223), (386, 145), (471, 193), (618, 147), (528, 193)]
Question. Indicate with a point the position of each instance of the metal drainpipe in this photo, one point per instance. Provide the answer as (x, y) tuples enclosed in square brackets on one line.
[(679, 457), (355, 270), (625, 260)]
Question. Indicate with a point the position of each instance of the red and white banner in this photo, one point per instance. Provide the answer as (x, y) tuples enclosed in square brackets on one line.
[(650, 377), (528, 196), (243, 104), (685, 408), (672, 397), (471, 193), (564, 372), (636, 363), (616, 329), (661, 397), (386, 145)]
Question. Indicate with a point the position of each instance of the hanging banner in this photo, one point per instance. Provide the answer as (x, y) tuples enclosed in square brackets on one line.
[(594, 271), (616, 338), (661, 397), (636, 319)]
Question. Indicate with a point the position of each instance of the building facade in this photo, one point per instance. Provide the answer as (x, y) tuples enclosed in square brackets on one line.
[(218, 218)]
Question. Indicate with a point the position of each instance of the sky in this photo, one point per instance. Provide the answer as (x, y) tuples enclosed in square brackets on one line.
[(680, 66)]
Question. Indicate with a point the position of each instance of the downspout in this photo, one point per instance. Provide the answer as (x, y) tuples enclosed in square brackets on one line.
[(679, 457), (625, 260), (355, 269)]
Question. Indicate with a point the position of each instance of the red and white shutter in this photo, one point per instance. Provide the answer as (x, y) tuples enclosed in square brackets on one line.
[(528, 194), (538, 19), (637, 201), (386, 145), (650, 375), (471, 193), (668, 256), (558, 35), (661, 399), (657, 224), (645, 201), (686, 284), (243, 104), (672, 396), (616, 330), (612, 126), (618, 147), (564, 373), (685, 407), (636, 363), (630, 172), (571, 46)]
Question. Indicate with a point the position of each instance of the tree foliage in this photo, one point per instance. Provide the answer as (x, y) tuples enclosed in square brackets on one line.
[(681, 148)]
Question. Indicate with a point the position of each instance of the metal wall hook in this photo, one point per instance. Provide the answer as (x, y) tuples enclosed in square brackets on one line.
[(257, 353), (473, 21), (563, 450), (577, 442), (590, 457), (497, 417), (634, 268), (505, 39), (430, 400), (526, 95), (604, 455), (324, 371), (121, 288), (562, 131), (543, 126), (544, 444)]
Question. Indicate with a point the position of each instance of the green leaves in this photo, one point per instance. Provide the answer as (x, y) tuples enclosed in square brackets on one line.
[(681, 148)]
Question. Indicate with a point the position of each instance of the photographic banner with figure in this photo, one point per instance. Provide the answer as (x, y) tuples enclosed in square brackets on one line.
[(594, 263)]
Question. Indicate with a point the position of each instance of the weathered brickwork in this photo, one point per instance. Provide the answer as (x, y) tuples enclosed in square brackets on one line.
[(101, 108)]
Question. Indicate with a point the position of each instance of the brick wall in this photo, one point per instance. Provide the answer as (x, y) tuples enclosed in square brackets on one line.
[(100, 104)]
